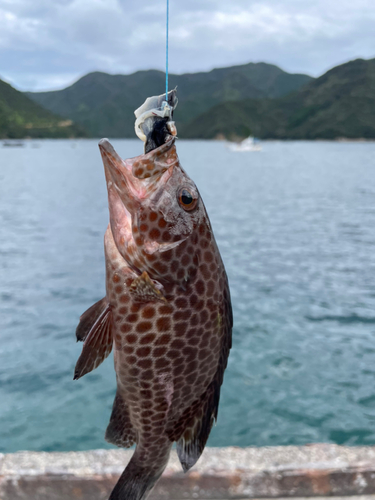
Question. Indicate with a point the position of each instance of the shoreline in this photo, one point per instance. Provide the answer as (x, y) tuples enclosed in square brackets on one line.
[(4, 141), (316, 470)]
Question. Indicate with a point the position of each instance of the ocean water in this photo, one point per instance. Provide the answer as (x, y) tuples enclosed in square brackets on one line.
[(296, 228)]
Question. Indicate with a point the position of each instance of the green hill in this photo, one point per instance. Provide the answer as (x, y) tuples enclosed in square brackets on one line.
[(21, 117), (104, 104), (341, 103)]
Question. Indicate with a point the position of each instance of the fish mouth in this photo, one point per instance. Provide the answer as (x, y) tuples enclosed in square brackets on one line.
[(134, 183), (137, 178), (118, 175)]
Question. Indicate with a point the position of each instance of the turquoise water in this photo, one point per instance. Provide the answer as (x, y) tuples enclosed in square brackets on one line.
[(295, 225)]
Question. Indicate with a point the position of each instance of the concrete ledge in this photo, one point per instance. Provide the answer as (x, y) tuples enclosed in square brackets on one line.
[(221, 473)]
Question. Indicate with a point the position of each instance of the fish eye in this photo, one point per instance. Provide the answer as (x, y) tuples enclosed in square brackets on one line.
[(187, 200)]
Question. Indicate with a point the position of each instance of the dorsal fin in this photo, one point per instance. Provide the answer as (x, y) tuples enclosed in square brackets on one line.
[(98, 343), (198, 421), (89, 317)]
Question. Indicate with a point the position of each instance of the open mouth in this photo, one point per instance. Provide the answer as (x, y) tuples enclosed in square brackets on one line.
[(137, 178), (118, 173)]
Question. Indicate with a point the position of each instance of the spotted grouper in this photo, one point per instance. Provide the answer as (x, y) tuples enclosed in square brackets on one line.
[(167, 311)]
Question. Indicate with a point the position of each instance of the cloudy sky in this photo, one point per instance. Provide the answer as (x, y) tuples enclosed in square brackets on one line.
[(48, 44)]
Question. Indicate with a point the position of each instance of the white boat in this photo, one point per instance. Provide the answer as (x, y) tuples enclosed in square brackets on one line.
[(249, 144)]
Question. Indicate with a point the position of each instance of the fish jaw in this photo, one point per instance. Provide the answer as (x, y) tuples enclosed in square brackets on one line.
[(119, 176), (136, 179), (130, 186), (133, 185), (123, 197)]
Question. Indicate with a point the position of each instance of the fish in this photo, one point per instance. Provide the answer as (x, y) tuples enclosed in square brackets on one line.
[(167, 311)]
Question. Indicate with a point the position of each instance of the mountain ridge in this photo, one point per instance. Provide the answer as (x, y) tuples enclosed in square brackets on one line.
[(104, 104), (340, 103), (253, 99), (21, 117)]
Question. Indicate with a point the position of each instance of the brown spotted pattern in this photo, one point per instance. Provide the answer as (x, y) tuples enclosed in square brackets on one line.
[(171, 331), (168, 353)]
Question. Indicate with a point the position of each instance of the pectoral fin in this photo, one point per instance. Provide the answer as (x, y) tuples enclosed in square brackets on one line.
[(98, 340), (89, 317), (143, 289)]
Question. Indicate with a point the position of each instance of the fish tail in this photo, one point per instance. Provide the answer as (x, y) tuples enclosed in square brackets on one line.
[(139, 478)]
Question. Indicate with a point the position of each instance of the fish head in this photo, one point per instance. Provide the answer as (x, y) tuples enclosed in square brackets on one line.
[(156, 212)]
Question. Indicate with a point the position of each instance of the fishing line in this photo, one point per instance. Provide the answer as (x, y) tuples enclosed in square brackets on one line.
[(167, 49)]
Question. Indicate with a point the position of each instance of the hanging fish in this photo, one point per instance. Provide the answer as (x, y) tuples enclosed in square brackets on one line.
[(167, 310)]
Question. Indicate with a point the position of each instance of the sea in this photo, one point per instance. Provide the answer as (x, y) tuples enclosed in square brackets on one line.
[(295, 224)]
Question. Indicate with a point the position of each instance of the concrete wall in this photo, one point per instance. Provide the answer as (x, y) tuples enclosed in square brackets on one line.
[(221, 473)]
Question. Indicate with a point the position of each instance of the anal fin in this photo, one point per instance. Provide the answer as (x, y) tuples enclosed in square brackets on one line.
[(120, 431), (98, 341)]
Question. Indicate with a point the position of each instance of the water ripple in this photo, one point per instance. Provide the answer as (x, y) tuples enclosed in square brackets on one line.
[(295, 225)]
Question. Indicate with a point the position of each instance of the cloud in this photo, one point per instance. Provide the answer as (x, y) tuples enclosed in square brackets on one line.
[(46, 44)]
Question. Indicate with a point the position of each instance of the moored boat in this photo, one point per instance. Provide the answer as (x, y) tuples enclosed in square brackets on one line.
[(249, 144), (13, 144)]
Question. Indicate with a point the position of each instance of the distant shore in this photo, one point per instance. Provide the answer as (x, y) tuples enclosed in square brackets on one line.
[(25, 140)]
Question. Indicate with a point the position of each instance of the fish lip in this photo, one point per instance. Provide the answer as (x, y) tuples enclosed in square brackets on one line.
[(111, 158), (118, 173), (106, 148)]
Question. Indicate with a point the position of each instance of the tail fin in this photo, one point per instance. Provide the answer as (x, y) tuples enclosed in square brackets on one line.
[(138, 479)]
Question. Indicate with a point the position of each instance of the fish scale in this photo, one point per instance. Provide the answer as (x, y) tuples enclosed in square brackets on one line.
[(168, 309), (166, 338)]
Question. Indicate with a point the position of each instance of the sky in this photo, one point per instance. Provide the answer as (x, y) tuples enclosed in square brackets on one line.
[(49, 44)]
